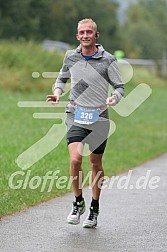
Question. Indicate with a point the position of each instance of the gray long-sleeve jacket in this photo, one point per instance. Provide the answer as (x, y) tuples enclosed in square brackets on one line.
[(90, 79)]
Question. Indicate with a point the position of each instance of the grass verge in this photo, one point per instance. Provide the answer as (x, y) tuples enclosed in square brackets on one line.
[(138, 137)]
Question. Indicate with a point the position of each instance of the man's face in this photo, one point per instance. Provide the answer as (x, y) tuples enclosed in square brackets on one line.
[(86, 34)]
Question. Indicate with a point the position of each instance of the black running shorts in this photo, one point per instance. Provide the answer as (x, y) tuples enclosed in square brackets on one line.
[(95, 135)]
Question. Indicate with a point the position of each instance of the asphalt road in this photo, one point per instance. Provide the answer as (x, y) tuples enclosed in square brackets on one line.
[(133, 217)]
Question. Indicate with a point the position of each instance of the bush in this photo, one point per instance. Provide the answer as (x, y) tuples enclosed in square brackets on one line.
[(19, 59)]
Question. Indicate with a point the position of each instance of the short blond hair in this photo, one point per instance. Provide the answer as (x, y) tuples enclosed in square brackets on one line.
[(88, 20)]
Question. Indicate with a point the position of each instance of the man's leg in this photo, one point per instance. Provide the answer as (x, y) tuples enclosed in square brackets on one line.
[(76, 175), (96, 183), (97, 174), (76, 172)]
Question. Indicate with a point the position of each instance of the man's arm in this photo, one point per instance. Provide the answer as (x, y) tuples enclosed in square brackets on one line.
[(117, 84), (59, 86)]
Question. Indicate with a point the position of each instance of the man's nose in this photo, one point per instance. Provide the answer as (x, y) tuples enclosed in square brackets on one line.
[(85, 34)]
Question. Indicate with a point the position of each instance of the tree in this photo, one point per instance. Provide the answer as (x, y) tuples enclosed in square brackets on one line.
[(143, 33), (21, 18), (57, 19)]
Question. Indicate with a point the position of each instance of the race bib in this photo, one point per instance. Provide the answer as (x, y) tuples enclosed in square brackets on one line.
[(85, 115)]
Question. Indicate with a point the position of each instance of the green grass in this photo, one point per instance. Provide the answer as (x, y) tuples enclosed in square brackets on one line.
[(138, 137)]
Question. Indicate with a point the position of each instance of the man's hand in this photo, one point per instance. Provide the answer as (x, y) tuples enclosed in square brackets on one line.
[(111, 101), (54, 99)]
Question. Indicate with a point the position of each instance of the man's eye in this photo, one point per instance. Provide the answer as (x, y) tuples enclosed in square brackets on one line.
[(89, 32)]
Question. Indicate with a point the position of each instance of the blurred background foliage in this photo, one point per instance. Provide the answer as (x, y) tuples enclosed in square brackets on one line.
[(136, 27), (141, 33), (144, 30)]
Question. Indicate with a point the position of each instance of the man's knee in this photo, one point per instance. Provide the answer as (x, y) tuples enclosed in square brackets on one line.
[(96, 165), (76, 163)]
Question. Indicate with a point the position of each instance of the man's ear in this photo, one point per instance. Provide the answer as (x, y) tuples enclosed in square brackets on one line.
[(77, 37), (97, 34)]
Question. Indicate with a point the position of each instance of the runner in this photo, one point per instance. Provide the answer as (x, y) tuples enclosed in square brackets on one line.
[(92, 70)]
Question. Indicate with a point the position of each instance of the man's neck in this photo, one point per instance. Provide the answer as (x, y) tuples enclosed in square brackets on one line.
[(89, 51)]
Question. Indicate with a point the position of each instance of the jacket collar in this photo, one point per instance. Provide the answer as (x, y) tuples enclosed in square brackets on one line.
[(99, 53)]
